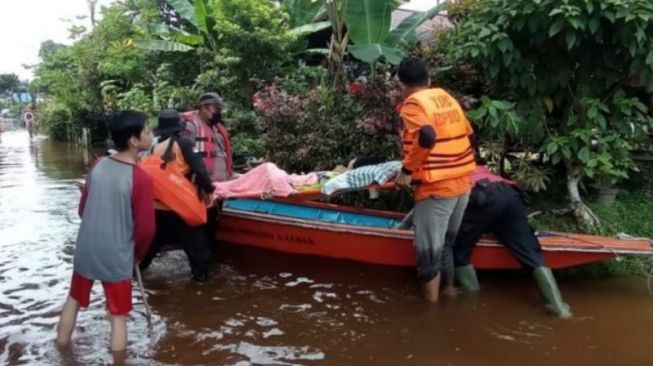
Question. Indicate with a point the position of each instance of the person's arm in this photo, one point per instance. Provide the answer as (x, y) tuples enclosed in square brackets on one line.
[(196, 163), (189, 130), (142, 212), (423, 136), (82, 200)]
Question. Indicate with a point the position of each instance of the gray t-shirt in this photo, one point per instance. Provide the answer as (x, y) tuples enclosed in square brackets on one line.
[(117, 220)]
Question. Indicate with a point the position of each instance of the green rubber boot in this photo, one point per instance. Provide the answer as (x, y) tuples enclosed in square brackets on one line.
[(466, 278), (550, 293)]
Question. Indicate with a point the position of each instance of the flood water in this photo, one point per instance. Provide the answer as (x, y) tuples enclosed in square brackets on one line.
[(262, 308)]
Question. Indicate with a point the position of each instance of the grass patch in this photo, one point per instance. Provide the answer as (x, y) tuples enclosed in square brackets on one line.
[(632, 213)]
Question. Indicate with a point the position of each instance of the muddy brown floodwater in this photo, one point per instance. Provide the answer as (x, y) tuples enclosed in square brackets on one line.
[(262, 308)]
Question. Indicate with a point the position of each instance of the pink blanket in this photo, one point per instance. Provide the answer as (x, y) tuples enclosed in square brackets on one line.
[(266, 180)]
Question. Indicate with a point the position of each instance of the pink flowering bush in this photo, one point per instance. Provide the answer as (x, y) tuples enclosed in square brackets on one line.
[(312, 126)]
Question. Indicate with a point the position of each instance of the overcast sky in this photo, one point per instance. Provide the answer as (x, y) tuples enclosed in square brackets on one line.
[(24, 24), (419, 5)]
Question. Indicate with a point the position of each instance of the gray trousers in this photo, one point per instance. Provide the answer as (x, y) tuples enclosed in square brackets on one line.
[(436, 221)]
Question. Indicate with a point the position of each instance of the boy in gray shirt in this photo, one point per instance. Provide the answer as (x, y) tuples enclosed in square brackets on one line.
[(117, 226)]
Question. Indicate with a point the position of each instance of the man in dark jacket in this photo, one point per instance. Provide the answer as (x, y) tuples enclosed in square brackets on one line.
[(497, 206)]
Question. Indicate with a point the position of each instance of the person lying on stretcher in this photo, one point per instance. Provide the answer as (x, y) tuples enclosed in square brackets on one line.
[(268, 180)]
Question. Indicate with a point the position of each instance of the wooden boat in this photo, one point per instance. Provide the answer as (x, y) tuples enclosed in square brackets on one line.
[(321, 229)]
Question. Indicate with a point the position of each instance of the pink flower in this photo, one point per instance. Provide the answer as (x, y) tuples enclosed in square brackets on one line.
[(356, 88)]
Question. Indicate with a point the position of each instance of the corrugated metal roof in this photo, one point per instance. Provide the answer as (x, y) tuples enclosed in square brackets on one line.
[(428, 29)]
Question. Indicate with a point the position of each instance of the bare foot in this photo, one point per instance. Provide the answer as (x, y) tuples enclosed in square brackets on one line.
[(450, 291), (66, 354), (119, 357), (431, 289)]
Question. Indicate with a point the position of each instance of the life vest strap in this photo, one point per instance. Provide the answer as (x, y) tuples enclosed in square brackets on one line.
[(432, 166), (205, 154), (444, 139), (452, 159), (442, 155), (452, 138)]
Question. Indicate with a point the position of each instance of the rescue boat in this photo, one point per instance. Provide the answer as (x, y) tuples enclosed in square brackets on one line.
[(315, 228)]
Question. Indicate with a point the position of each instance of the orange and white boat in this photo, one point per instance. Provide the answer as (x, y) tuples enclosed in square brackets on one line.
[(321, 229)]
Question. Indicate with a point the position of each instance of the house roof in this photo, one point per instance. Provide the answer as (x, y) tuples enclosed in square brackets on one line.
[(426, 30)]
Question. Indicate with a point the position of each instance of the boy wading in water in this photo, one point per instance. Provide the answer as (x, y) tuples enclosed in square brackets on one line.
[(117, 225)]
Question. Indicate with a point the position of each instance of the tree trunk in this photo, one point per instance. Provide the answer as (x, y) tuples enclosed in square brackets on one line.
[(338, 43), (582, 213), (92, 5)]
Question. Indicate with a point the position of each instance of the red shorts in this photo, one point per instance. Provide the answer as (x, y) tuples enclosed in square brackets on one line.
[(118, 294)]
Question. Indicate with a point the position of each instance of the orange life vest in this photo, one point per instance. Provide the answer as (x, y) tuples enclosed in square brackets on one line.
[(171, 187), (205, 145), (452, 155)]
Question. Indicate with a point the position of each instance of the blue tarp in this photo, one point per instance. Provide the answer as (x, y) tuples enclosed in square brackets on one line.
[(22, 97), (310, 213)]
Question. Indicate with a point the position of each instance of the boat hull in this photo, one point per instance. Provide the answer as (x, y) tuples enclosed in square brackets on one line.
[(394, 247)]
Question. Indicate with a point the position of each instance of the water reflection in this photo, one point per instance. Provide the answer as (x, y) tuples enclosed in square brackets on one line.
[(262, 308), (38, 205), (53, 159)]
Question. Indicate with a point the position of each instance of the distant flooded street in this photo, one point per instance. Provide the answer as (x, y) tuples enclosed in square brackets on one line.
[(262, 308)]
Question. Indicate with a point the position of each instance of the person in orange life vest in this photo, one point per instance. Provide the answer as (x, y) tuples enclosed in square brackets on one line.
[(205, 127), (498, 206), (212, 142), (170, 227), (438, 159), (117, 227)]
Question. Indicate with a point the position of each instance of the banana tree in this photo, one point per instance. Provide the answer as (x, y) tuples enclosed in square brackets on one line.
[(197, 15), (368, 23), (304, 11), (336, 10), (306, 16)]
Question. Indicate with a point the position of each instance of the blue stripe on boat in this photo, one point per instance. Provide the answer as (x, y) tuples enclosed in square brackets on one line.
[(310, 213)]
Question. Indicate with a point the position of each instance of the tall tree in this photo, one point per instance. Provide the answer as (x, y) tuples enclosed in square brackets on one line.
[(575, 69), (8, 83)]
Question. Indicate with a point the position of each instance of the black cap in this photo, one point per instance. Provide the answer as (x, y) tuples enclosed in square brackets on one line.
[(211, 98), (169, 122)]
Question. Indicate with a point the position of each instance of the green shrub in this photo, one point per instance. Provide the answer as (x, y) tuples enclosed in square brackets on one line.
[(56, 120)]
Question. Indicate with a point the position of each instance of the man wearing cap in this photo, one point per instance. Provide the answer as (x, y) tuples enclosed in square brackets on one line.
[(206, 128)]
